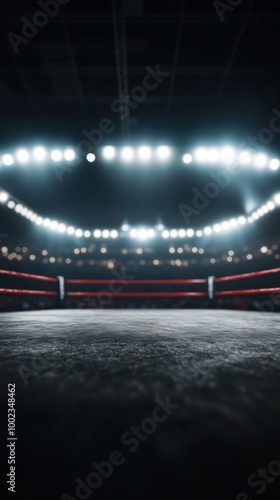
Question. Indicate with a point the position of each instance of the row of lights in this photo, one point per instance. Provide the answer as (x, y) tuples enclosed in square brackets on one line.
[(225, 155), (141, 234), (228, 155), (39, 155), (144, 154)]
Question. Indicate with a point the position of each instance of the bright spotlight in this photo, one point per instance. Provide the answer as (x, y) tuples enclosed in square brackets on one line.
[(182, 233), (39, 154), (61, 228), (127, 153), (105, 234), (217, 228), (174, 233), (3, 197), (38, 220), (70, 230), (190, 233), (87, 234), (18, 209), (242, 220), (201, 155), (260, 160), (163, 153), (165, 234), (69, 154), (97, 233), (125, 227), (225, 225), (270, 205), (56, 155), (22, 155), (114, 234), (54, 225), (245, 157), (208, 230), (142, 234), (11, 204), (7, 159), (227, 154), (144, 153), (78, 233), (199, 233), (109, 152), (91, 157), (277, 199), (133, 233), (46, 222), (187, 158), (213, 155), (274, 164), (151, 233)]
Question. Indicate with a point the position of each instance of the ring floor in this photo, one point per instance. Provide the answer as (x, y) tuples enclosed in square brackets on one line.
[(85, 380)]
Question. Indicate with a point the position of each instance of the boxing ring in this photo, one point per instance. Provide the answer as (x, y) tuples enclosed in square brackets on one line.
[(85, 377), (209, 289)]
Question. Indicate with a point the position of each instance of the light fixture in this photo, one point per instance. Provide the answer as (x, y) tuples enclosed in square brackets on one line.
[(39, 154), (109, 153)]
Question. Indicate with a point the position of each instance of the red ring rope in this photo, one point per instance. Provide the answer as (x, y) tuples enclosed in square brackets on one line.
[(136, 294), (12, 291), (141, 282), (252, 291), (136, 282), (256, 274), (28, 276)]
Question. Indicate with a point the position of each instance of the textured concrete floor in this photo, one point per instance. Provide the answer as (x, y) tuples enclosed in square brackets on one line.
[(83, 378)]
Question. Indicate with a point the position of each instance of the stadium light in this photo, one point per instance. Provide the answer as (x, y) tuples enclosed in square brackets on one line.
[(7, 159), (163, 153), (109, 153), (69, 154), (39, 154), (228, 154), (91, 157), (201, 155), (245, 158), (22, 155), (4, 197), (274, 164), (260, 160), (56, 155), (144, 153), (127, 154), (187, 158)]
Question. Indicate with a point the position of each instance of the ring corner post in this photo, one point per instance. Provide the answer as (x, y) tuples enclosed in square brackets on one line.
[(211, 292), (61, 292)]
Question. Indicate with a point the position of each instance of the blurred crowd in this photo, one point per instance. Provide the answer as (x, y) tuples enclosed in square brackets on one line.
[(17, 303)]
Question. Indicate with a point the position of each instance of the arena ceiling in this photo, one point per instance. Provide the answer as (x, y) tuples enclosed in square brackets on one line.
[(218, 80)]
